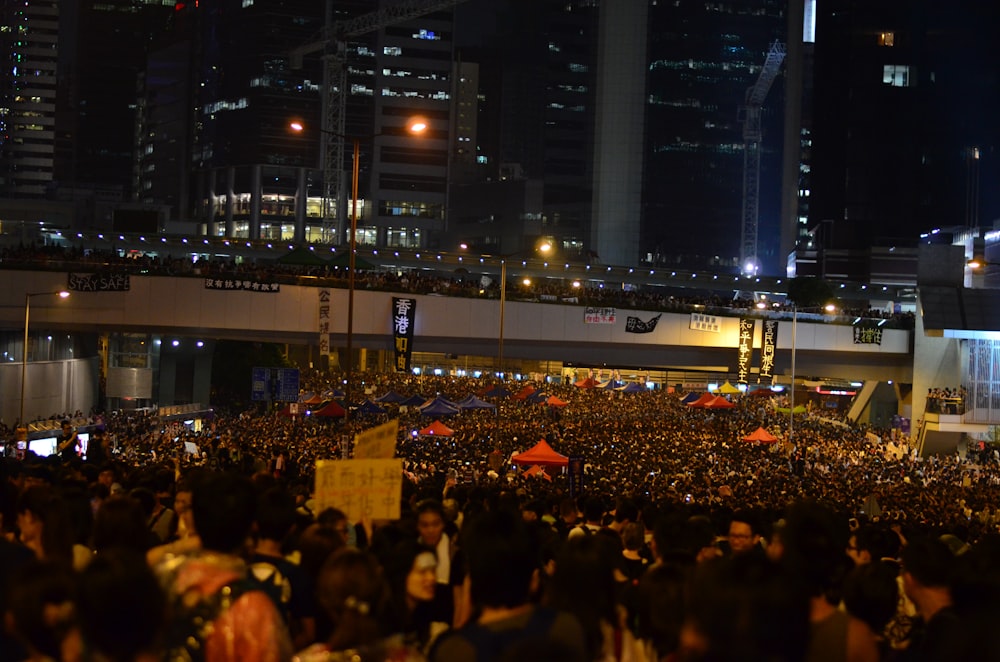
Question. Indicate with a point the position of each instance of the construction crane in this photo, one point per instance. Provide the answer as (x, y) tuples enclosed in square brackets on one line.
[(333, 46), (751, 112)]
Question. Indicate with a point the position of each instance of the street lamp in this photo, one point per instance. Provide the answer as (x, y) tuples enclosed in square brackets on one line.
[(416, 126), (62, 294), (543, 248)]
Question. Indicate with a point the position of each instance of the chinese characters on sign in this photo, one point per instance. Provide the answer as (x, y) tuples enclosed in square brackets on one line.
[(768, 345), (404, 312), (701, 322), (636, 325), (246, 285), (363, 489), (324, 322), (745, 349), (598, 315), (867, 335), (377, 443)]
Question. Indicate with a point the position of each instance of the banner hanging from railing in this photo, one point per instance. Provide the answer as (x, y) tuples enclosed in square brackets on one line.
[(768, 346), (745, 349), (404, 312), (324, 322)]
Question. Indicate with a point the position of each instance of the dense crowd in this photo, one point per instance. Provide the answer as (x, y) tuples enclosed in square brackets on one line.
[(685, 542), (418, 282)]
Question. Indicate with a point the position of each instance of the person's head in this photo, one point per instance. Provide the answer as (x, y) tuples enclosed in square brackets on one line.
[(927, 564), (66, 426), (40, 607), (626, 511), (503, 556), (43, 520), (584, 584), (745, 608), (223, 507), (275, 514), (430, 521), (633, 535), (660, 608), (411, 572), (871, 594), (120, 524), (744, 533), (336, 520), (353, 592), (316, 543), (120, 605)]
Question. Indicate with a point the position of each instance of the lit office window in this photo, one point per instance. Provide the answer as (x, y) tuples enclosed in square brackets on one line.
[(886, 39), (896, 75)]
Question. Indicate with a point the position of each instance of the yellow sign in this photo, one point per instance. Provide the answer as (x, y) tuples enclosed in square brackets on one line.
[(361, 488), (377, 443)]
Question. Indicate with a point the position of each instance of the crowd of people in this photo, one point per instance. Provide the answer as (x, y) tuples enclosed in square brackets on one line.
[(946, 400), (683, 541), (418, 282)]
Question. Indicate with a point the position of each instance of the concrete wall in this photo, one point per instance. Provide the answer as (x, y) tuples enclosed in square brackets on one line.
[(53, 387), (184, 307), (936, 363)]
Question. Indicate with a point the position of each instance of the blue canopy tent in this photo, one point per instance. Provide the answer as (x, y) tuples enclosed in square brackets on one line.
[(369, 407), (690, 397), (498, 392), (332, 394), (414, 401), (391, 398), (472, 402), (632, 387), (610, 384), (537, 397), (439, 407)]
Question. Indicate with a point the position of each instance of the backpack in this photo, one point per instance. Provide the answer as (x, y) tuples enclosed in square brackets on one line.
[(267, 577), (190, 625), (490, 645)]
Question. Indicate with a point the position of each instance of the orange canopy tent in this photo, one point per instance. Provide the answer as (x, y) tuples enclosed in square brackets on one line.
[(553, 401), (719, 402), (542, 455), (761, 435), (436, 429), (702, 401), (588, 382)]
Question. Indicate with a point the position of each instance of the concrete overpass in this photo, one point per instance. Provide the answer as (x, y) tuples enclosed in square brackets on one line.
[(185, 307)]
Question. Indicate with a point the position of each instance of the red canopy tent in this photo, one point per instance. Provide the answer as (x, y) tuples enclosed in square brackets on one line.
[(542, 455), (314, 400), (761, 435), (589, 382), (524, 392), (719, 402), (436, 429), (553, 401), (700, 403), (331, 410)]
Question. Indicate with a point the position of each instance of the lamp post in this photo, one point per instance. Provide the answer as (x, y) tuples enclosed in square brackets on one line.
[(791, 408), (415, 126), (62, 294), (544, 247)]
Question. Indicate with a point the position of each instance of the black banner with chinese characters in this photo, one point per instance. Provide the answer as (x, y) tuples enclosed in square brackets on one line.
[(241, 284), (745, 349), (867, 335), (768, 347), (575, 467), (324, 322), (404, 312), (102, 282), (636, 325)]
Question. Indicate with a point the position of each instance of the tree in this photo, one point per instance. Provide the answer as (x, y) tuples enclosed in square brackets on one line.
[(810, 292)]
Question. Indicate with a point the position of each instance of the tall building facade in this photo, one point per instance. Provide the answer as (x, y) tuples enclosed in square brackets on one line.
[(29, 46), (702, 59), (907, 140)]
